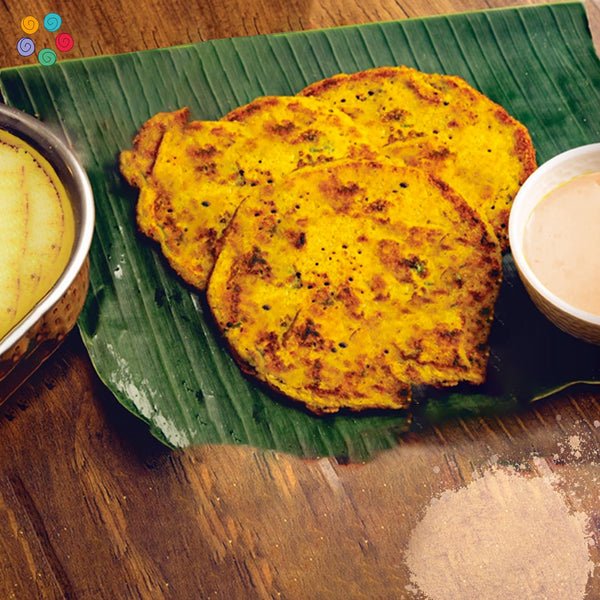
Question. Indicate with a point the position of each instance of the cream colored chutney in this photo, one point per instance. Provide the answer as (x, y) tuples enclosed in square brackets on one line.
[(562, 242), (36, 229)]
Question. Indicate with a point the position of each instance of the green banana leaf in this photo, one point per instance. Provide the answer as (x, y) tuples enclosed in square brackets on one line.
[(151, 338)]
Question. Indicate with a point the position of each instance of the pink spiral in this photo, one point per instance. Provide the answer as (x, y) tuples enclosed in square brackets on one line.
[(64, 42)]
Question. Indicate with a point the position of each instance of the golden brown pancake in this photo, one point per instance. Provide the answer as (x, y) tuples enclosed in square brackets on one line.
[(349, 236), (193, 175), (442, 124), (345, 284), (188, 174)]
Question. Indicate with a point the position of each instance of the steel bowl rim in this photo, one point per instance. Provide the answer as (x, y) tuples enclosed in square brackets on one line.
[(31, 129)]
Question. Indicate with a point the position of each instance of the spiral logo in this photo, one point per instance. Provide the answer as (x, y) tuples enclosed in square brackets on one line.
[(64, 42), (25, 46), (47, 57), (29, 25), (52, 22)]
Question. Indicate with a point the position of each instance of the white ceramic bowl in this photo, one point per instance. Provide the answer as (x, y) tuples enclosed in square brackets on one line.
[(551, 174), (42, 330)]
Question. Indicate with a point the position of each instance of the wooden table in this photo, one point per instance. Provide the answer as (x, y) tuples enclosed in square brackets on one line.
[(91, 506)]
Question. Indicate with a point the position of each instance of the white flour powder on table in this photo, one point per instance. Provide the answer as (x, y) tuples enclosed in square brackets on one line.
[(505, 536)]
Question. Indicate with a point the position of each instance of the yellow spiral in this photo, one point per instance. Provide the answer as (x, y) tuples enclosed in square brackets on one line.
[(29, 24)]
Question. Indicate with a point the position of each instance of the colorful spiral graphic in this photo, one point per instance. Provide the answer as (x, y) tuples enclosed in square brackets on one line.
[(26, 46), (29, 24), (47, 57), (64, 42), (52, 22)]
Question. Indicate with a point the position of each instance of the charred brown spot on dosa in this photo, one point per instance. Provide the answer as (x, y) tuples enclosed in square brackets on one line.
[(366, 315), (193, 175), (443, 125)]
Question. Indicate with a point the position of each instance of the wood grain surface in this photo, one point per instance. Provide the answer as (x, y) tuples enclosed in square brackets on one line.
[(93, 507)]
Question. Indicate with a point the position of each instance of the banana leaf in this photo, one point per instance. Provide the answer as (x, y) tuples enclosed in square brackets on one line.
[(150, 337)]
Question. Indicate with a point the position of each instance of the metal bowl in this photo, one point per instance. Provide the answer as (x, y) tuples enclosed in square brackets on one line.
[(41, 331)]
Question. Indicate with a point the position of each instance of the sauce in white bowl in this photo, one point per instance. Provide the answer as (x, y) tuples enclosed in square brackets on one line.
[(566, 303), (562, 242)]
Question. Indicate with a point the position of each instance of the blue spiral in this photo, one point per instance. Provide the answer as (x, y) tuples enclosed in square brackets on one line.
[(52, 22)]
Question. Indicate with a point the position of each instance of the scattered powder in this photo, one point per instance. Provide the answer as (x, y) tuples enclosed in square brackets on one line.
[(505, 536), (575, 445)]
